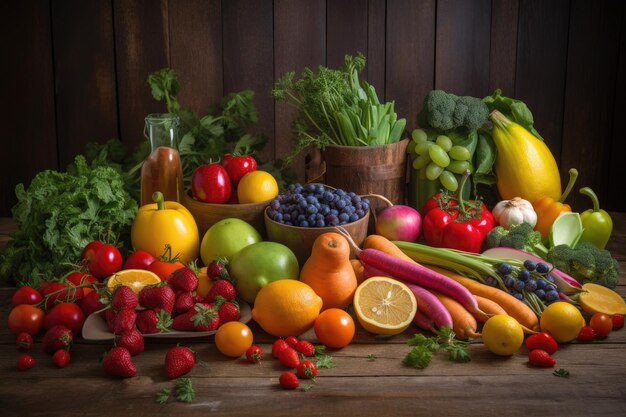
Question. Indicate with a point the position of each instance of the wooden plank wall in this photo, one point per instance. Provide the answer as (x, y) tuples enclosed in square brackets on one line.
[(75, 70)]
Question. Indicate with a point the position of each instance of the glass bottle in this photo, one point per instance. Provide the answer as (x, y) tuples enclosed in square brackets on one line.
[(162, 170)]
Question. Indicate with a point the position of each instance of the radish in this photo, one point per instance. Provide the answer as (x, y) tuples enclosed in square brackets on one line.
[(424, 322), (398, 222)]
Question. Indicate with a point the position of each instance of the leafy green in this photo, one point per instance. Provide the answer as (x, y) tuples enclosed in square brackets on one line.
[(184, 390), (162, 396), (562, 373), (515, 110), (371, 357), (425, 347)]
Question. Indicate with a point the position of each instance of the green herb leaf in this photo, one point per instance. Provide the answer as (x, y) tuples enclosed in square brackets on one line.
[(419, 357), (184, 390), (371, 357), (324, 361), (306, 387), (429, 343), (163, 396), (562, 373)]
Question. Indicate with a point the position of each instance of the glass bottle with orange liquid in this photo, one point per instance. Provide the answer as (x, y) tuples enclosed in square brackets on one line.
[(162, 170)]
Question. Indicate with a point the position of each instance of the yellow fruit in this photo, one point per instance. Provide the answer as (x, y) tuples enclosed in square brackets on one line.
[(525, 167), (136, 279), (562, 321), (286, 307), (599, 299), (384, 305), (502, 335), (204, 282), (257, 186)]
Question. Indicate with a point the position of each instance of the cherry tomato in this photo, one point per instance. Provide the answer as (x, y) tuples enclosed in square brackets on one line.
[(89, 252), (80, 278), (164, 269), (26, 318), (602, 324), (107, 260), (139, 259), (334, 328), (210, 183), (53, 293), (233, 338), (237, 166), (618, 321), (26, 295), (69, 315)]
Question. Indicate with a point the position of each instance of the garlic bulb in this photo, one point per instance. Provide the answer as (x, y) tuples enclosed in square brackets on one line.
[(514, 211)]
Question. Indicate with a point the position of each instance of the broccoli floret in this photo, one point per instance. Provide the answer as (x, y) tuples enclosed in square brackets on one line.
[(447, 111), (518, 236), (586, 263)]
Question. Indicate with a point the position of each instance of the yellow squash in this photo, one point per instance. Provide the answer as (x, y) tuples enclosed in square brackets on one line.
[(525, 166)]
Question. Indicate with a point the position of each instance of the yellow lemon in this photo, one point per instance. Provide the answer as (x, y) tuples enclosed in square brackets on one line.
[(256, 186), (136, 279), (562, 321), (502, 335)]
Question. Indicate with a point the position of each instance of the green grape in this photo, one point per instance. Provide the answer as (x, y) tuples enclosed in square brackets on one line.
[(419, 136), (433, 171), (422, 147), (459, 153), (421, 161), (410, 149), (448, 180), (458, 167), (439, 156), (445, 142)]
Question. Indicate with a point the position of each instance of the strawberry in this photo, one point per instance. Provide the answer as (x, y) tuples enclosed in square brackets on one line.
[(288, 380), (109, 318), (254, 354), (202, 318), (25, 362), (306, 369), (289, 358), (24, 341), (158, 296), (131, 340), (229, 311), (179, 360), (292, 341), (222, 288), (118, 362), (61, 358), (184, 279), (542, 341), (539, 357), (184, 302), (123, 297), (149, 321), (91, 303), (305, 347), (124, 320), (278, 346), (586, 334), (618, 321), (57, 337), (217, 269)]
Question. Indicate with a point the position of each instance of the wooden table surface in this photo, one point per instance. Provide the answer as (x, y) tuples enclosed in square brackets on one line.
[(488, 385)]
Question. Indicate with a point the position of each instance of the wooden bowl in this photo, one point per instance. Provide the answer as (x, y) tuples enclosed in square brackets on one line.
[(300, 239), (207, 214)]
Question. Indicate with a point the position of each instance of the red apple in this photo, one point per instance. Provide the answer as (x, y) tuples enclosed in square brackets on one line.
[(399, 223), (210, 183)]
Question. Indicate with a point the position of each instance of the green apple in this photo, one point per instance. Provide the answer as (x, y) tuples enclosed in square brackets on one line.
[(227, 237), (257, 265)]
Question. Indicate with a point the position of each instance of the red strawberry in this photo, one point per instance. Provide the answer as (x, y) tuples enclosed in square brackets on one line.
[(109, 318), (184, 302), (254, 354), (540, 357), (202, 318), (278, 346), (24, 341), (289, 358), (61, 358), (149, 321), (131, 340), (124, 320), (179, 360), (618, 321), (229, 311), (306, 369), (91, 303), (288, 380), (542, 341), (118, 362), (217, 269), (305, 347), (292, 341), (160, 296), (222, 288), (57, 337), (184, 279), (123, 297), (586, 334), (25, 362)]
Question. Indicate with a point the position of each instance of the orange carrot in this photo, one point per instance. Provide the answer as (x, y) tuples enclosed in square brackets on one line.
[(358, 270), (384, 245), (464, 324), (489, 307)]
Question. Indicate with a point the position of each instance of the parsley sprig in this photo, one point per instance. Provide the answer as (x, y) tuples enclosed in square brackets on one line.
[(425, 347)]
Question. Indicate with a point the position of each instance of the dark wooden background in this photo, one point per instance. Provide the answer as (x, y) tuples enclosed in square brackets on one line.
[(74, 71)]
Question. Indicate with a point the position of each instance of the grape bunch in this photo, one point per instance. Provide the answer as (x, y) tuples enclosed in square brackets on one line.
[(533, 278), (438, 157), (313, 205)]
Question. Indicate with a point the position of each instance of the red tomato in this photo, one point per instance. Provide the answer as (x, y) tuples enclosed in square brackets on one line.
[(237, 166), (210, 183), (26, 318), (89, 252), (334, 328), (107, 260), (164, 269), (26, 295), (81, 278), (602, 324), (139, 259), (57, 292), (69, 315)]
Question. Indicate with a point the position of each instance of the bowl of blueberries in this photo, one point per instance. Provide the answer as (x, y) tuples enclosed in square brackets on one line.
[(298, 216)]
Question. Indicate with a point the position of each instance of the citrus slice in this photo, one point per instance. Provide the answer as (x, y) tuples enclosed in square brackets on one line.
[(598, 299), (136, 279), (384, 305)]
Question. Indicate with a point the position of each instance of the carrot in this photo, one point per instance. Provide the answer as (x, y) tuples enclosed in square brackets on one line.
[(357, 266), (489, 307), (431, 306), (463, 323), (385, 245)]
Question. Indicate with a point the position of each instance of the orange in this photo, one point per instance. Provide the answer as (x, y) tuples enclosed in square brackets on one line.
[(257, 186), (286, 307), (136, 279)]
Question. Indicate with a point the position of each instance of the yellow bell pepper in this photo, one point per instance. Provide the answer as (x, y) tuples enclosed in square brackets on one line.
[(166, 223), (548, 209)]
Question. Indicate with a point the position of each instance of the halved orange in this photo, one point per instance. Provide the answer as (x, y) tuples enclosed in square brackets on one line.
[(384, 305), (136, 279)]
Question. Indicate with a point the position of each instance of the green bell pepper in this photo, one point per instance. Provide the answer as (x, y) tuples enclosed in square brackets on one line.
[(597, 224)]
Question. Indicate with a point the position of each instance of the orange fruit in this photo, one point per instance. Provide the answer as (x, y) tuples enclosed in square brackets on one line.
[(334, 328), (136, 279), (256, 186), (286, 307), (233, 338)]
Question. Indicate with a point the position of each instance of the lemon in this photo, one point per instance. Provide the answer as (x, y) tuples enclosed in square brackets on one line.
[(384, 305), (286, 307), (256, 186), (562, 321), (136, 279), (502, 335)]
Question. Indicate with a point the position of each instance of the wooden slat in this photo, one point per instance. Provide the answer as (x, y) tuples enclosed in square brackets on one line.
[(503, 53), (376, 42), (346, 30)]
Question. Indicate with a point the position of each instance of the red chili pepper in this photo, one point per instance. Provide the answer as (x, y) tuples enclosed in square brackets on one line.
[(451, 222)]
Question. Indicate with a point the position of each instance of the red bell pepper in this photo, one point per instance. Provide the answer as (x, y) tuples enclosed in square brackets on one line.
[(451, 222)]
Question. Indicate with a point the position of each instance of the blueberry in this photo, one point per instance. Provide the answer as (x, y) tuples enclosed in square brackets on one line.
[(351, 194), (295, 214), (311, 209), (353, 217), (312, 218), (329, 196), (356, 199), (310, 188), (320, 223), (303, 204), (360, 213), (531, 285), (365, 206), (550, 278), (540, 293), (542, 268), (300, 218), (278, 217), (491, 282), (311, 200), (505, 268), (275, 204), (541, 284), (552, 295), (523, 275), (303, 223), (332, 220), (340, 204), (343, 218), (358, 206), (340, 192), (287, 217), (519, 285), (518, 295), (508, 281), (334, 212), (530, 265), (325, 210)]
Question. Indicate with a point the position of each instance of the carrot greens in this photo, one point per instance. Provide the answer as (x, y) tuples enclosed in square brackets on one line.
[(425, 347)]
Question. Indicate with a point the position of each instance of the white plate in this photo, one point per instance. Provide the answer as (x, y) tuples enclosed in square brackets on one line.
[(95, 327)]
